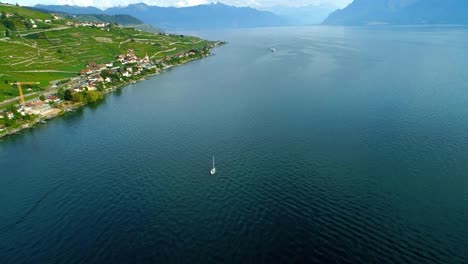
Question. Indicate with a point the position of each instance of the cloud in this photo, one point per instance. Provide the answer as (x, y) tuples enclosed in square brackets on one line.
[(183, 3)]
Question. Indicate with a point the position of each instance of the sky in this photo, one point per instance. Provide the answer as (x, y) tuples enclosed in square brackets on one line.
[(261, 4)]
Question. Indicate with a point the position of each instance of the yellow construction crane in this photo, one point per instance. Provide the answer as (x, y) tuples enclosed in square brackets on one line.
[(23, 103)]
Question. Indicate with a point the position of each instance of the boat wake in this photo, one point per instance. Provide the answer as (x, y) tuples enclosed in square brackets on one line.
[(10, 227)]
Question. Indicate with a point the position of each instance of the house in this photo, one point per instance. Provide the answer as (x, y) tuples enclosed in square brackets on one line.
[(93, 80), (41, 108), (121, 58), (2, 116), (108, 79), (93, 66), (79, 89), (2, 127), (48, 21), (86, 71), (34, 104), (126, 74), (102, 66), (34, 26), (10, 115), (146, 59), (91, 87), (53, 98)]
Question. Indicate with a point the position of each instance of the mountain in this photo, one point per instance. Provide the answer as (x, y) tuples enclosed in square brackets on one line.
[(124, 20), (208, 16), (68, 9), (367, 12), (304, 15)]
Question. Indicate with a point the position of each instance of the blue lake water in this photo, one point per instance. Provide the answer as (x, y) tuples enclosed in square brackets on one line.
[(345, 145)]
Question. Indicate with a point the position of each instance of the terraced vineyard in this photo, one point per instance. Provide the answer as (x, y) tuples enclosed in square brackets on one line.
[(61, 51)]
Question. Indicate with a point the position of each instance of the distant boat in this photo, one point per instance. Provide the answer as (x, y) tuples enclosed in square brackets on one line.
[(273, 50), (213, 170)]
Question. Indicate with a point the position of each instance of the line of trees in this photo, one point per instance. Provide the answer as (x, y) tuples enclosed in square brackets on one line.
[(80, 97)]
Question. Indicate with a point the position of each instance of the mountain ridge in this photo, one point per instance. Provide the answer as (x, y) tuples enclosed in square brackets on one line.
[(400, 12), (206, 16)]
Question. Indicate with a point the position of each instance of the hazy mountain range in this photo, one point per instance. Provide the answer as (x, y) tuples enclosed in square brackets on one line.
[(359, 12), (304, 15), (75, 10), (125, 20), (208, 16), (365, 12)]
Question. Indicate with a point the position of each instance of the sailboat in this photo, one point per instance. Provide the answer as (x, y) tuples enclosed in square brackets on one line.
[(213, 170)]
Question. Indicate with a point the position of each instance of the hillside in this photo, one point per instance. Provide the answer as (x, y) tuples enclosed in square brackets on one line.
[(15, 18), (68, 9), (194, 17), (124, 20), (367, 12), (61, 51)]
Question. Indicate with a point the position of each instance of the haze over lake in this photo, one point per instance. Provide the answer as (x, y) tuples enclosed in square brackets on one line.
[(347, 144)]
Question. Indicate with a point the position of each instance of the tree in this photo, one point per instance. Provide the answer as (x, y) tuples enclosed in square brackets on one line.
[(3, 15), (9, 24), (78, 97), (61, 93), (42, 97), (7, 33), (93, 96), (104, 74), (28, 24), (68, 95), (100, 87)]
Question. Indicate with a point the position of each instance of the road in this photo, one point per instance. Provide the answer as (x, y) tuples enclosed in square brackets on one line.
[(46, 91), (45, 30)]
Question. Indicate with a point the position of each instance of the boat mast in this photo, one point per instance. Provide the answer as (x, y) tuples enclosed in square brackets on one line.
[(213, 162)]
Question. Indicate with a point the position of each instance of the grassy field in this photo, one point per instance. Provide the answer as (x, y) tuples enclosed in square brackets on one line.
[(28, 13), (61, 52)]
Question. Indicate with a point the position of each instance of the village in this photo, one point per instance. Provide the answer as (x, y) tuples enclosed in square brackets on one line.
[(92, 82), (38, 23)]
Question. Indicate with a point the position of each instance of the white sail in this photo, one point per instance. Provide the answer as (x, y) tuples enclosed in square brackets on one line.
[(213, 170)]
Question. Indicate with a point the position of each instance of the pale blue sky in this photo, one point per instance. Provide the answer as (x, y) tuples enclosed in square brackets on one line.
[(252, 3)]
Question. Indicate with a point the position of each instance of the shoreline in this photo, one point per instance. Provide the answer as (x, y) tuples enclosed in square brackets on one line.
[(71, 107)]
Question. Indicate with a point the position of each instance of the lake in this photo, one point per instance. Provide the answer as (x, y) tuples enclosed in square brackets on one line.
[(345, 145)]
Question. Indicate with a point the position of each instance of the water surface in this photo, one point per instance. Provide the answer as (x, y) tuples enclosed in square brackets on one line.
[(346, 145)]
